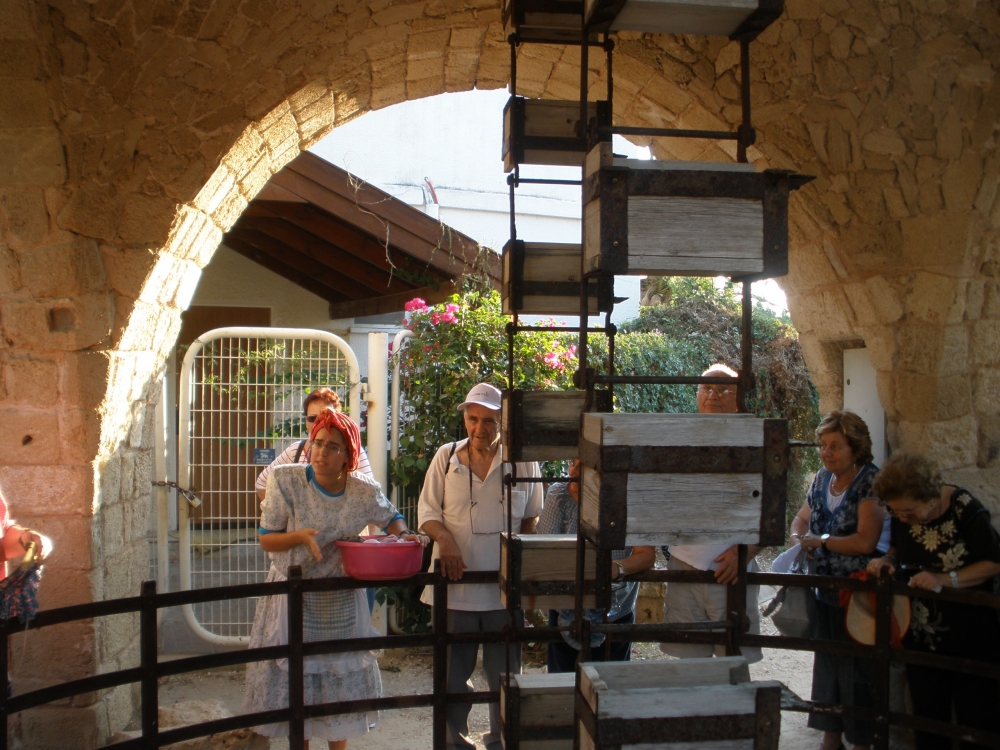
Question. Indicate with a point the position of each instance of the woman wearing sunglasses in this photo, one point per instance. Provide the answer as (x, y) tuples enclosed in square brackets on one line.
[(943, 538), (308, 508), (298, 452)]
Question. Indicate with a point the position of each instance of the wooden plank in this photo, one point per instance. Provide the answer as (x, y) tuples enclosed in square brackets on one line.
[(695, 235), (601, 677), (700, 17), (391, 303), (694, 508), (671, 165), (674, 429), (338, 259), (552, 557), (648, 703), (552, 261), (592, 234)]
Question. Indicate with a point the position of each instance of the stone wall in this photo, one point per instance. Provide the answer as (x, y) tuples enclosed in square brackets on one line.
[(133, 133)]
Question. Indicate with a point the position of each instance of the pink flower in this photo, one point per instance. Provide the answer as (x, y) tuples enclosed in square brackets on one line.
[(435, 318), (572, 350), (448, 317), (451, 307), (415, 305), (552, 360)]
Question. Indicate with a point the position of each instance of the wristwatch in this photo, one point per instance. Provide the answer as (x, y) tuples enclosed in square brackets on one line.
[(621, 568), (824, 539), (953, 575)]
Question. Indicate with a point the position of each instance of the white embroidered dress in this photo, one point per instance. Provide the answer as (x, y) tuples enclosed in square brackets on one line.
[(294, 501)]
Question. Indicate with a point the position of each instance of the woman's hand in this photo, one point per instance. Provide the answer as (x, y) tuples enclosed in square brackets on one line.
[(876, 566), (305, 537), (929, 581), (810, 541), (412, 536)]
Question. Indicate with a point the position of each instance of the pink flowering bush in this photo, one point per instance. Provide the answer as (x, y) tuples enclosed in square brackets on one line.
[(460, 343)]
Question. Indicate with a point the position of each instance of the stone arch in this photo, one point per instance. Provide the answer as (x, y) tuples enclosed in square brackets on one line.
[(132, 134)]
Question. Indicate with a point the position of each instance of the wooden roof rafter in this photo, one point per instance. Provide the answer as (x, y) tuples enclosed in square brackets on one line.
[(357, 247)]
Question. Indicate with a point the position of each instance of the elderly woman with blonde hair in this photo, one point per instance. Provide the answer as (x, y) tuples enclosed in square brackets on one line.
[(842, 526), (943, 538)]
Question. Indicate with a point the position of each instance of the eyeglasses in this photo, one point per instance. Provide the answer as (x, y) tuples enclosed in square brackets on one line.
[(715, 390), (917, 513), (319, 445)]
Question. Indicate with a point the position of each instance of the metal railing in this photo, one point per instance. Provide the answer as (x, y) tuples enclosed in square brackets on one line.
[(150, 670)]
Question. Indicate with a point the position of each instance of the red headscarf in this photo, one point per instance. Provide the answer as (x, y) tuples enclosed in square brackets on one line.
[(333, 420)]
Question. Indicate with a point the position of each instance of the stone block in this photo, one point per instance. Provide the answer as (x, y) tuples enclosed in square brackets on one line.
[(987, 391), (937, 241), (76, 545), (985, 349), (65, 727), (62, 270), (953, 443), (885, 299), (84, 378), (93, 210), (31, 157), (64, 588), (935, 298), (925, 398), (112, 528), (60, 652), (25, 217), (24, 103), (48, 490), (147, 218), (79, 435), (31, 381), (117, 576), (933, 350), (109, 478), (30, 436)]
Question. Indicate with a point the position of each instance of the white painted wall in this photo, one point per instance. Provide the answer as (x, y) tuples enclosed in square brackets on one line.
[(861, 397)]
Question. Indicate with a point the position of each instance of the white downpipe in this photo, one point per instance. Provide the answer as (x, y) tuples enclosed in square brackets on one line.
[(378, 398), (397, 343), (184, 440), (163, 437)]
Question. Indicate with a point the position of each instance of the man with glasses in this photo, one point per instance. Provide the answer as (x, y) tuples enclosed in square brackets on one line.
[(706, 602), (463, 508)]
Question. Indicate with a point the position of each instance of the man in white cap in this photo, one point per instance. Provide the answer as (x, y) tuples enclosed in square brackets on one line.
[(463, 508), (706, 602)]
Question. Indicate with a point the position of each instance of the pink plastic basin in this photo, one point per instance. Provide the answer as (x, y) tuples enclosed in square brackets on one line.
[(381, 562)]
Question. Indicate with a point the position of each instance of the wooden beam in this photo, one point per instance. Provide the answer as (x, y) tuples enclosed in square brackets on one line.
[(278, 250), (391, 303), (283, 270), (331, 229), (339, 260)]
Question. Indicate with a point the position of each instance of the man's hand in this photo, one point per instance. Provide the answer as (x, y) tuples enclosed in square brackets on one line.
[(452, 564), (728, 569)]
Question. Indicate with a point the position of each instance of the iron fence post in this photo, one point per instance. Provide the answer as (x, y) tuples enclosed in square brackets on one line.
[(736, 603), (147, 661), (296, 687), (440, 728), (883, 626)]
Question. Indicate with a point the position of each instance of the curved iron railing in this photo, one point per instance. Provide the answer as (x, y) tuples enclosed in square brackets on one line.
[(726, 633)]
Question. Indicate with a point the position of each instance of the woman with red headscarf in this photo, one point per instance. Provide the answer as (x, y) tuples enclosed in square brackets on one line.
[(308, 508)]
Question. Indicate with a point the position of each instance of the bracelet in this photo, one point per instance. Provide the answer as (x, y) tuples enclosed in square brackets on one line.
[(621, 569), (953, 575), (895, 562)]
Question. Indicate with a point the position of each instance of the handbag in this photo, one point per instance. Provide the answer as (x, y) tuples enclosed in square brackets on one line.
[(793, 609)]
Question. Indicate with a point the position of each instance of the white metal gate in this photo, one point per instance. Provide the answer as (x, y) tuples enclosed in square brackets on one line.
[(241, 398)]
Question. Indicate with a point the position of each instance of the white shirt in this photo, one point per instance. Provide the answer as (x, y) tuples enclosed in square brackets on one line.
[(474, 521), (700, 556)]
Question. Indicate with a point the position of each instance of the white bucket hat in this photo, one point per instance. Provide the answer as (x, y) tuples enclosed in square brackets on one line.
[(483, 394)]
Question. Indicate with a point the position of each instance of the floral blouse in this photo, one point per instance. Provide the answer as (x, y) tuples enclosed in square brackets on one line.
[(960, 536), (841, 522)]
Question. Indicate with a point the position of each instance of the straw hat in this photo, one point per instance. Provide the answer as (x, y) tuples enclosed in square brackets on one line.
[(860, 618)]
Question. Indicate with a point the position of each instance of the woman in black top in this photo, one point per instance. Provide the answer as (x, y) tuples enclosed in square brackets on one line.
[(945, 533)]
